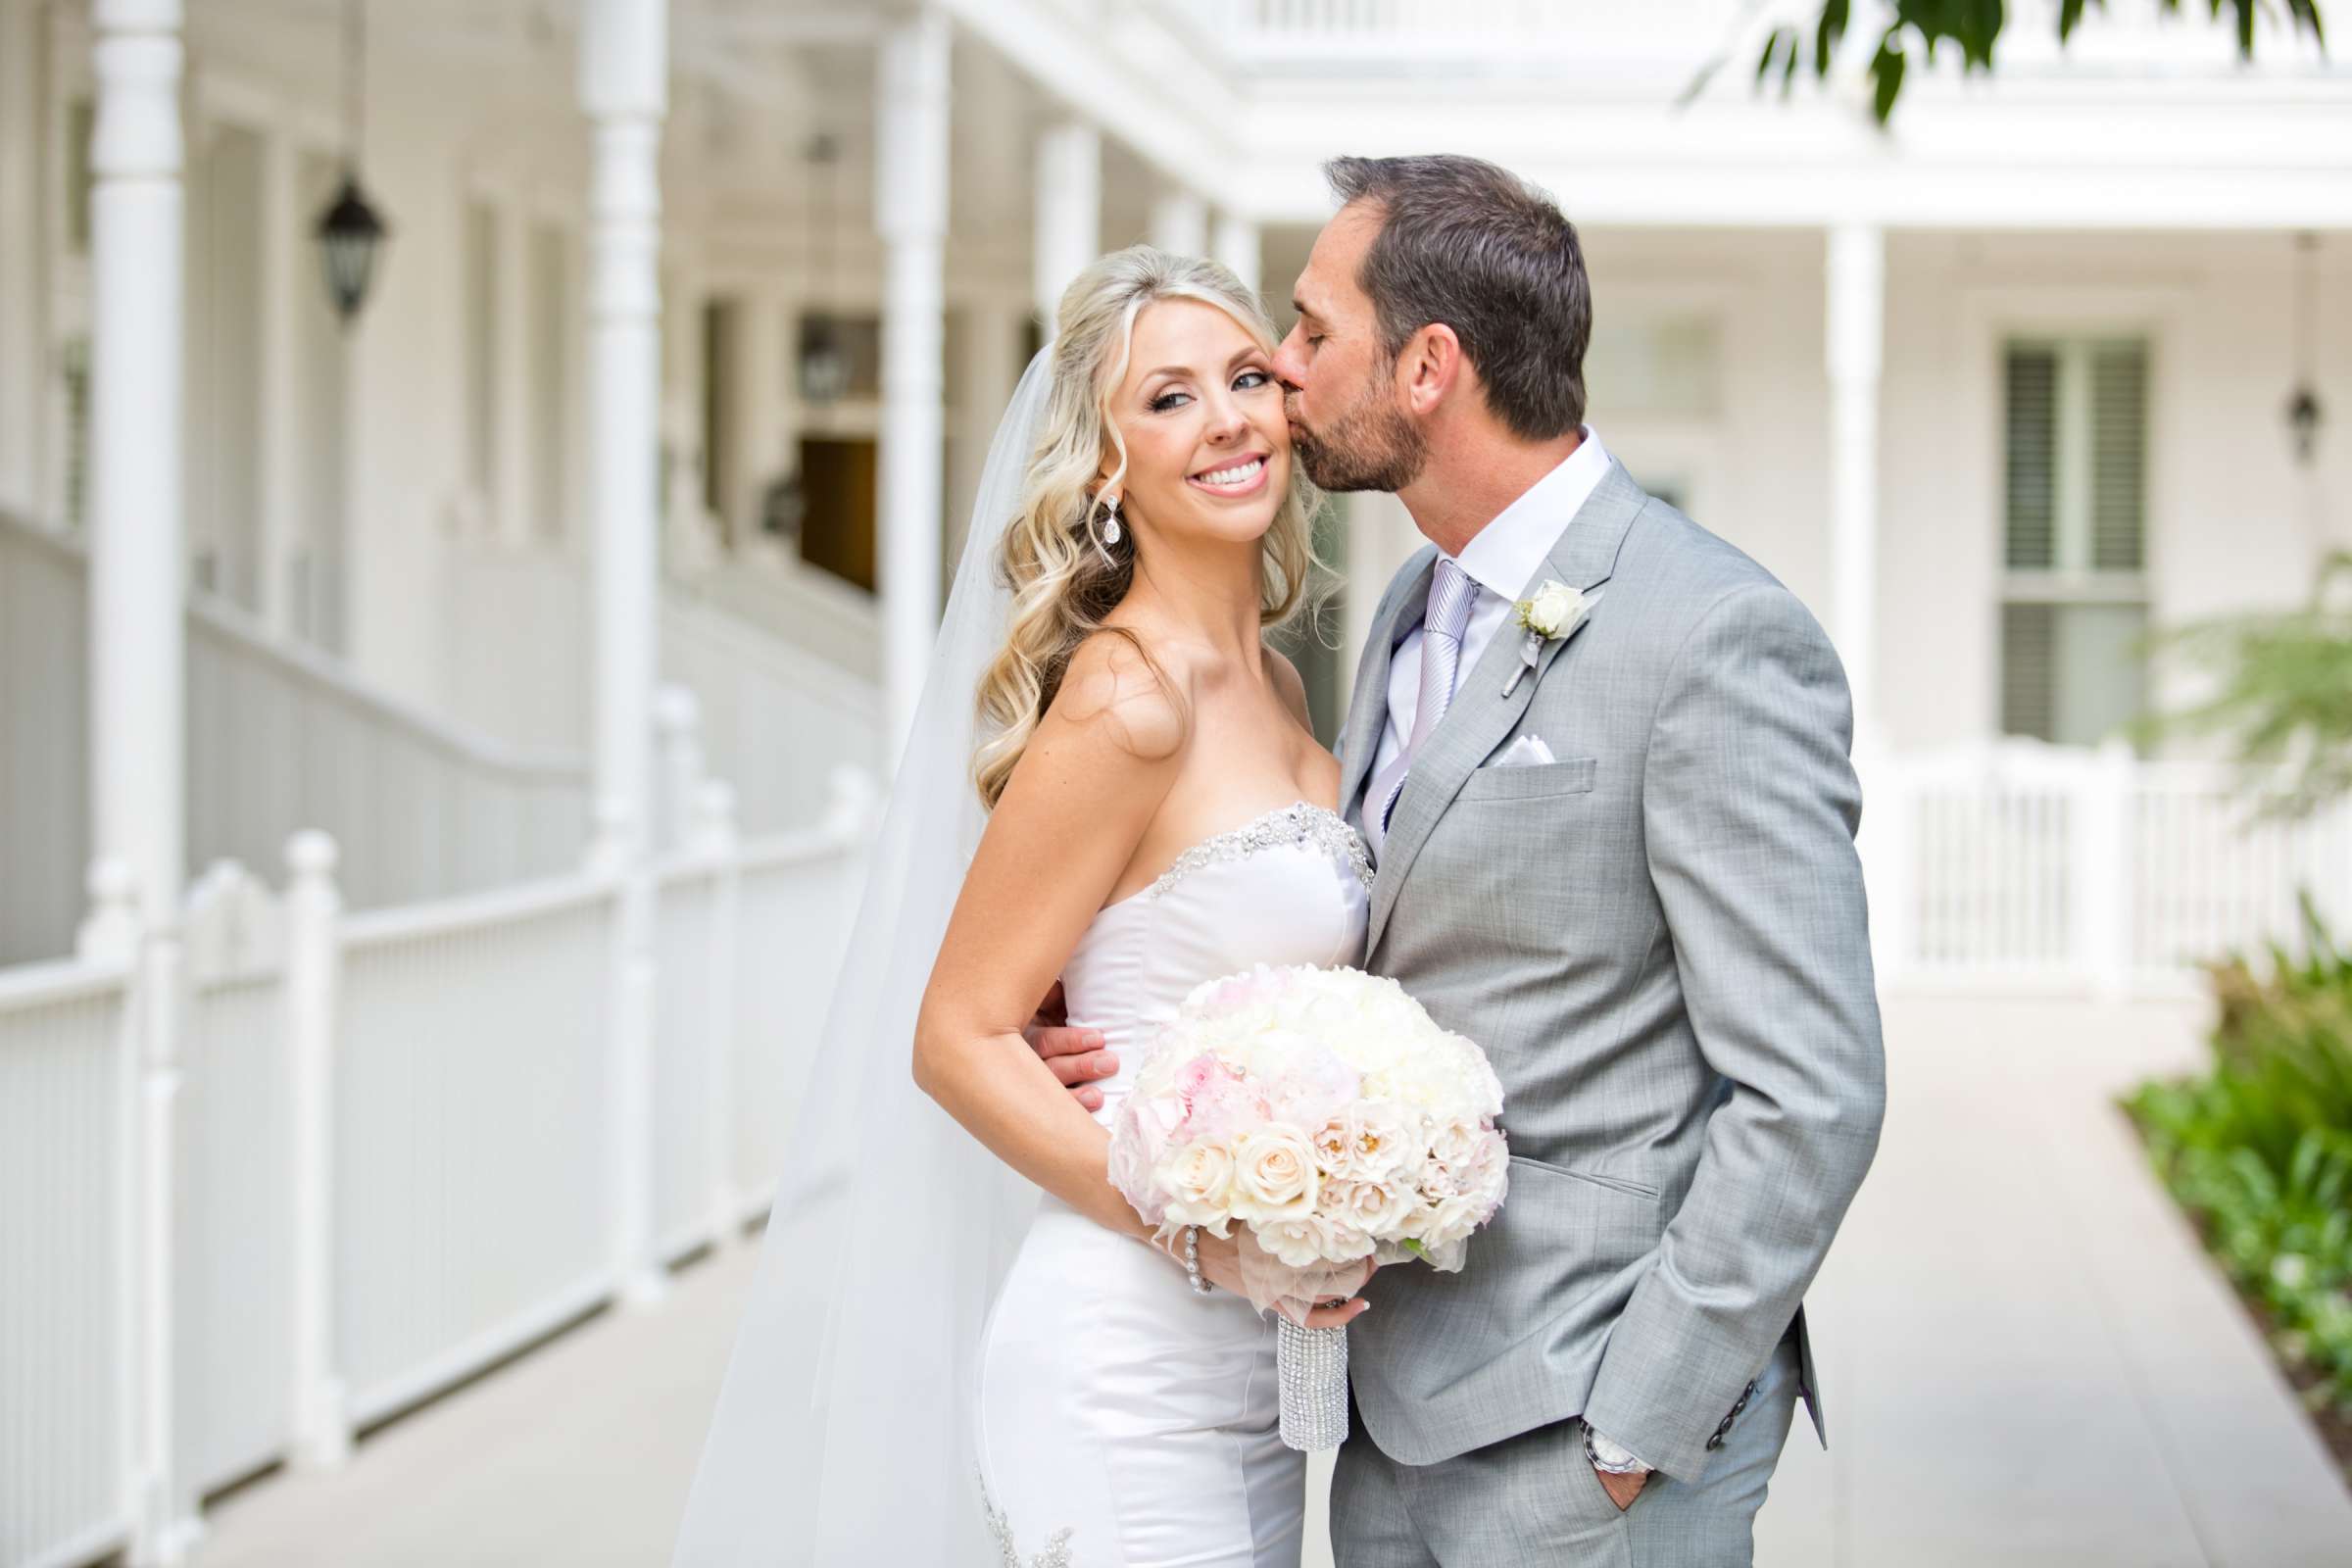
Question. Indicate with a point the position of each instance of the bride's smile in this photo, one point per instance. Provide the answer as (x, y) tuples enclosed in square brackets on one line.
[(1199, 415)]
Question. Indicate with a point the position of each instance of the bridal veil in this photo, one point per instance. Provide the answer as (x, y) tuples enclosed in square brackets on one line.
[(843, 1430)]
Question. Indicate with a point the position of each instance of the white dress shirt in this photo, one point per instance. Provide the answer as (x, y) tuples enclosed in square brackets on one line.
[(1503, 559)]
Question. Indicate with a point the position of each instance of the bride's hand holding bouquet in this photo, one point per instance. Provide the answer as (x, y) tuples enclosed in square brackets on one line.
[(1309, 1125)]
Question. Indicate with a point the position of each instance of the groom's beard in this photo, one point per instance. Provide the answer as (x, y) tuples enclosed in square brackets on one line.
[(1370, 447)]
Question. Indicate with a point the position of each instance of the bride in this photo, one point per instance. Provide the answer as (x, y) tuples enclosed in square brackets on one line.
[(1112, 783)]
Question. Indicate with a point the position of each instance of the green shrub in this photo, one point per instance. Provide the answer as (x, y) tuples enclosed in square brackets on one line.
[(2261, 1148)]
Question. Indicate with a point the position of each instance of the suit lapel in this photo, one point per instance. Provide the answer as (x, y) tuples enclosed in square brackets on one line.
[(1480, 715), (1368, 707)]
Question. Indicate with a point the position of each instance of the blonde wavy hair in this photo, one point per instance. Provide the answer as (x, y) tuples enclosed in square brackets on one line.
[(1063, 583)]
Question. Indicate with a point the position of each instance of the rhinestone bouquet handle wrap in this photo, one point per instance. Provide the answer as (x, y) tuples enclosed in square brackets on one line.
[(1312, 1364)]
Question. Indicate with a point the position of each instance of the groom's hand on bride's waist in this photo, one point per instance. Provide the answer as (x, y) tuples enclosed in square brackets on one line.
[(1076, 1056)]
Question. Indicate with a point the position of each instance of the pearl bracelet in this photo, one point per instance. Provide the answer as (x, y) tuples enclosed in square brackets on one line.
[(1191, 1260)]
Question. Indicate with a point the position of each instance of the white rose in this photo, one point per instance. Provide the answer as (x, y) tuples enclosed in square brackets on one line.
[(1550, 607), (1332, 1147), (1199, 1182), (1458, 1144), (1376, 1208), (1453, 1219), (1312, 1239), (1294, 1243), (1381, 1138), (1274, 1176)]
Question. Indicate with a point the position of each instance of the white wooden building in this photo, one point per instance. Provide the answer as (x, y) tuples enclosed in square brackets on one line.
[(565, 597)]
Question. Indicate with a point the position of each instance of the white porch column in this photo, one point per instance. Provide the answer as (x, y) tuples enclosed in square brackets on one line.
[(280, 250), (623, 74), (910, 207), (1235, 242), (1180, 224), (22, 355), (624, 71), (1856, 316), (138, 652), (1069, 211), (510, 498), (135, 522)]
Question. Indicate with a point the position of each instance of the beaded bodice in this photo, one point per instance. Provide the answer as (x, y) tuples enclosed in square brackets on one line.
[(1290, 886), (1291, 825)]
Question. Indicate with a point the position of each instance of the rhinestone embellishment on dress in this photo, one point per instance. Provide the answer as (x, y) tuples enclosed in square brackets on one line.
[(1009, 1555), (1290, 824)]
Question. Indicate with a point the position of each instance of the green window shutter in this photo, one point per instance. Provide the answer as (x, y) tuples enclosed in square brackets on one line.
[(2033, 457), (2119, 413), (2028, 653)]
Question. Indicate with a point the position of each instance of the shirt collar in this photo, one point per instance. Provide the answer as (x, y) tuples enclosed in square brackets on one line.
[(1504, 556)]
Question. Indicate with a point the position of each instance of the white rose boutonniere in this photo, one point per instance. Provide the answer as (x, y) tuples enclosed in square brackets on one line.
[(1548, 614)]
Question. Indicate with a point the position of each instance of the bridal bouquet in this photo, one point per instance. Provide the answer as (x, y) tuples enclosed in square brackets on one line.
[(1330, 1117)]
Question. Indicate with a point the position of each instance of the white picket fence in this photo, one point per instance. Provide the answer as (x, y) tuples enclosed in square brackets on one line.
[(2023, 866), (399, 1145)]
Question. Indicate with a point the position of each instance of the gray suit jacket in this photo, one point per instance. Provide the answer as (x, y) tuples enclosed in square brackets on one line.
[(1660, 941)]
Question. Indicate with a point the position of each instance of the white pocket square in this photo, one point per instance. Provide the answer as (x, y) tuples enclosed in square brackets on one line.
[(1525, 751)]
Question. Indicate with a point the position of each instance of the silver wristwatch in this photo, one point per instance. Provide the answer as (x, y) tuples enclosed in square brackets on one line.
[(1608, 1458)]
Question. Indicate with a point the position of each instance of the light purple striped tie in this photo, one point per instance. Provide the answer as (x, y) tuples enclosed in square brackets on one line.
[(1449, 600)]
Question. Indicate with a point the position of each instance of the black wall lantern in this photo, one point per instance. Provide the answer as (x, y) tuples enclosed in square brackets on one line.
[(349, 232), (824, 358), (2303, 412)]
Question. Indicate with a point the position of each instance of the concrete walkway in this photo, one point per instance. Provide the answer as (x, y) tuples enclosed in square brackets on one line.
[(2028, 1361)]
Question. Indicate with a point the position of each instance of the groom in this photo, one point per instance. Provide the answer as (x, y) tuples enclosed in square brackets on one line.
[(1614, 839)]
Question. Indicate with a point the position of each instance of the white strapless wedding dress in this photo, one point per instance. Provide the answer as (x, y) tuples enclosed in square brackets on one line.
[(1124, 1420)]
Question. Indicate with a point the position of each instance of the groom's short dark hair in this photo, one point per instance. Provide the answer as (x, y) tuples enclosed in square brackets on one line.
[(1472, 245)]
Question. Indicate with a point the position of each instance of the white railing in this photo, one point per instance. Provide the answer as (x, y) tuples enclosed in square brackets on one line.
[(67, 1183), (782, 661), (2024, 866), (471, 1112), (775, 715), (403, 1144), (1351, 34), (279, 736)]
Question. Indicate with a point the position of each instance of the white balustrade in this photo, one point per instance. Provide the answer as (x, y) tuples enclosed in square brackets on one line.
[(471, 1133), (799, 897), (279, 736), (774, 717), (398, 1151), (2029, 867), (236, 1189), (1291, 31), (67, 1238)]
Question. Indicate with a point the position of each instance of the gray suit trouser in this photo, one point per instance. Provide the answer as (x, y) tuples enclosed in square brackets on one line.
[(1534, 1501)]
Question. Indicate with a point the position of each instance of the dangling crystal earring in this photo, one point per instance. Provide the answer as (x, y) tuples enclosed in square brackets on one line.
[(1110, 530)]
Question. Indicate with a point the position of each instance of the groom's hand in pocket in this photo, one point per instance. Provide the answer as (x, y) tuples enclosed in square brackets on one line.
[(1076, 1056), (1623, 1489)]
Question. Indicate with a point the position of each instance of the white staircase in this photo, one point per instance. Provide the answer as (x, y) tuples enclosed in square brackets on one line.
[(281, 737)]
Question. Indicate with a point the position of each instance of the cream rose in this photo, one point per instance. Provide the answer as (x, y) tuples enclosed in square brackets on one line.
[(1198, 1179), (1274, 1176), (1332, 1147), (1381, 1137), (1376, 1208), (1311, 1240)]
